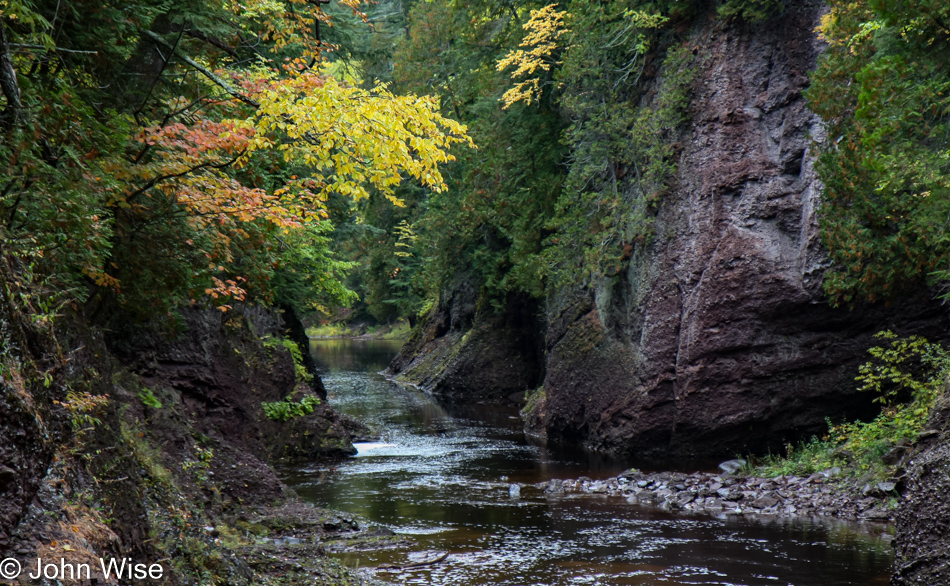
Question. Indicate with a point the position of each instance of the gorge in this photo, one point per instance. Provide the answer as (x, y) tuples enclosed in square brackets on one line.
[(631, 238)]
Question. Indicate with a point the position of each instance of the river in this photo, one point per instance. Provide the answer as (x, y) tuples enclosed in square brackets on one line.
[(443, 479)]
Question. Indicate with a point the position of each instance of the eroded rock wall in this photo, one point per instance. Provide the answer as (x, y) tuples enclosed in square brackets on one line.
[(221, 374), (462, 355), (29, 426), (717, 339), (143, 446)]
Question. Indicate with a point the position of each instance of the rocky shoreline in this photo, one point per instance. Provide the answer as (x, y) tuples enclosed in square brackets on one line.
[(824, 494)]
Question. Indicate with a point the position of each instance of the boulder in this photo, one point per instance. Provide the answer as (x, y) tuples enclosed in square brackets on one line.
[(732, 466)]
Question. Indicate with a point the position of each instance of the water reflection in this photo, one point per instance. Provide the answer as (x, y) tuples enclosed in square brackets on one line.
[(340, 354), (444, 479)]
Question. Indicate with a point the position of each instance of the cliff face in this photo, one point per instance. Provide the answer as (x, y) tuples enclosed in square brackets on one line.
[(462, 355), (28, 429), (920, 540), (221, 373), (718, 339), (146, 444)]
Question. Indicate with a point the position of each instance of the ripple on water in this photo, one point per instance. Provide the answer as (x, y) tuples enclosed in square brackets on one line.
[(445, 482), (363, 448)]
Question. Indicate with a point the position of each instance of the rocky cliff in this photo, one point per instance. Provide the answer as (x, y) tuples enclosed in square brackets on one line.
[(153, 445), (717, 338), (463, 355), (220, 372), (923, 522)]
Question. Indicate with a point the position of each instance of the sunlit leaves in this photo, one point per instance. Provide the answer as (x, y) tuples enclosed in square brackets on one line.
[(544, 30), (406, 239), (354, 138)]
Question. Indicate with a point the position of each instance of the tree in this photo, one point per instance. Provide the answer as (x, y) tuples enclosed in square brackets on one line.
[(572, 159), (160, 152), (883, 90)]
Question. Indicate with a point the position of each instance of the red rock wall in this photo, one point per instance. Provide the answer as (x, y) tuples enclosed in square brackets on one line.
[(718, 339)]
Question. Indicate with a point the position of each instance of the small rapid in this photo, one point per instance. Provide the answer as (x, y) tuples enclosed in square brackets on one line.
[(444, 480)]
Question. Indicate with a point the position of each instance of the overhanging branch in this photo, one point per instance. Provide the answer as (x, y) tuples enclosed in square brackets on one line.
[(204, 71), (53, 49)]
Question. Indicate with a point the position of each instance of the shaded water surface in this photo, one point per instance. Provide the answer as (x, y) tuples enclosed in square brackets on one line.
[(444, 479)]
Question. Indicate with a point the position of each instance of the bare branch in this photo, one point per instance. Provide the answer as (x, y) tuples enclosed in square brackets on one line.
[(204, 71), (157, 77), (54, 49), (214, 41), (156, 180)]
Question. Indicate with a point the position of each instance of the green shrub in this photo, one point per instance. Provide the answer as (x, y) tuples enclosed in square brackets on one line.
[(149, 399), (907, 374), (300, 371), (749, 10), (286, 410), (533, 399)]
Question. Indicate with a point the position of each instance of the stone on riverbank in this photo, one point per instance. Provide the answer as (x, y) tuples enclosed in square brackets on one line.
[(816, 495)]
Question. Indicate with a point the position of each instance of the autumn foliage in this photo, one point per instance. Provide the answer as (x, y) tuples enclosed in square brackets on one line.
[(163, 153)]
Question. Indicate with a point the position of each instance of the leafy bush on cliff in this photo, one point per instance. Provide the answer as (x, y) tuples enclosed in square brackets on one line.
[(907, 375), (750, 10), (286, 410)]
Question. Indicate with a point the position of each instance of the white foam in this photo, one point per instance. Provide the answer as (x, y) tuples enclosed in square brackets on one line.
[(363, 447)]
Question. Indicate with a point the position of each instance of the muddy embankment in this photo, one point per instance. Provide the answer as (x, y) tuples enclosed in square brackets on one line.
[(153, 446)]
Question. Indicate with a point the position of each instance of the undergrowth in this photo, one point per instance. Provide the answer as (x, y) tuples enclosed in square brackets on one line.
[(908, 375), (300, 370), (533, 400), (398, 331), (286, 410)]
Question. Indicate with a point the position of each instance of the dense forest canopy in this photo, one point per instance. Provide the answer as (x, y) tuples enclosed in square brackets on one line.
[(156, 153), (163, 152)]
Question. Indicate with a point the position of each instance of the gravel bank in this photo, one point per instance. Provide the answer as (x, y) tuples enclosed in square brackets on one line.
[(819, 495)]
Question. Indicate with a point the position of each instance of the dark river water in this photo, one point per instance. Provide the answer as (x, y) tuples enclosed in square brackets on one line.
[(442, 479)]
